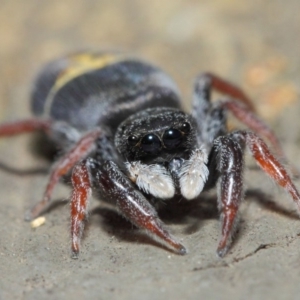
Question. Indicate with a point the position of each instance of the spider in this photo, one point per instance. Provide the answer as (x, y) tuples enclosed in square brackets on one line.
[(121, 129)]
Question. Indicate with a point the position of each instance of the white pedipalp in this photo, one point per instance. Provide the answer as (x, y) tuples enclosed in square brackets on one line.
[(193, 174), (152, 179)]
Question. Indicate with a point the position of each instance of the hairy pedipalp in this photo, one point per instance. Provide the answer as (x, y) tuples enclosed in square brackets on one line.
[(152, 179), (193, 174)]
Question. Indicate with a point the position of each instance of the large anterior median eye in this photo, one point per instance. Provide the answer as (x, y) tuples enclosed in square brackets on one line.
[(172, 138), (150, 143)]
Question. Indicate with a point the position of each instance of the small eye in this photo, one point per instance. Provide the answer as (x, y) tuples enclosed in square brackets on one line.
[(150, 143), (132, 140), (185, 127), (172, 138)]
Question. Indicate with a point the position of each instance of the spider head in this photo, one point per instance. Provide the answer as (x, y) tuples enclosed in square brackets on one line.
[(156, 135), (159, 146)]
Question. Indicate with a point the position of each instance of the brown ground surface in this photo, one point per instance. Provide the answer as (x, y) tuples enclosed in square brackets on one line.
[(253, 43)]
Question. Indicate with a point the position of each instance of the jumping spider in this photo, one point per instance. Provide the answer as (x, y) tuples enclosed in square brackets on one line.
[(120, 125)]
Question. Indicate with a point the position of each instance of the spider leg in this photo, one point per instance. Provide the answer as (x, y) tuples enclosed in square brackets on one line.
[(210, 119), (255, 123), (132, 204), (81, 194), (63, 166), (24, 126), (228, 150), (238, 104), (225, 87), (229, 155), (269, 163)]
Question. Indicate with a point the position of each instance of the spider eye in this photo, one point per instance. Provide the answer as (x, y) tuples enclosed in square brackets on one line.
[(132, 140), (185, 127), (172, 138), (150, 143)]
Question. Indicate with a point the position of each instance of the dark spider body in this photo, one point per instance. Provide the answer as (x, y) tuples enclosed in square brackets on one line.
[(121, 127)]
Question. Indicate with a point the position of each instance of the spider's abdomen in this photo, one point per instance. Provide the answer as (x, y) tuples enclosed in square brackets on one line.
[(90, 89)]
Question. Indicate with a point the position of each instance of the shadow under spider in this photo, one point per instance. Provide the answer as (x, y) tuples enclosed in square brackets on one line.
[(267, 202), (40, 146), (190, 213), (115, 224), (24, 172)]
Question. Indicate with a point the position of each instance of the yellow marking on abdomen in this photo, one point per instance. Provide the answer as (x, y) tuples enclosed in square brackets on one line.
[(80, 64)]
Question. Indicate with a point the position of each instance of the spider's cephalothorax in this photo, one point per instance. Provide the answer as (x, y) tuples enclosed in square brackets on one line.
[(162, 141), (122, 130), (156, 135)]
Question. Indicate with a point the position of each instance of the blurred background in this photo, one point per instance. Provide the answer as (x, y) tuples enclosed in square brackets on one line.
[(254, 44)]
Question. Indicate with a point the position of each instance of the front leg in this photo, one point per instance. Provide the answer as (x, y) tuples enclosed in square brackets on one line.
[(230, 168), (114, 185), (228, 152), (132, 204)]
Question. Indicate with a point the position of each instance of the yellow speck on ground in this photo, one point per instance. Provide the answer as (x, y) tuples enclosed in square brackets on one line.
[(38, 222)]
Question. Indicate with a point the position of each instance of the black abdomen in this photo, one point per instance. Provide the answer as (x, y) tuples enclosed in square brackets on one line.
[(87, 90)]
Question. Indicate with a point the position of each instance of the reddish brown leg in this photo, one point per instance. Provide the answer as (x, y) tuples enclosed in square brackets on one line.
[(79, 203), (253, 122), (229, 89), (244, 111), (268, 162), (131, 203), (63, 166), (24, 126), (230, 166), (229, 154)]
